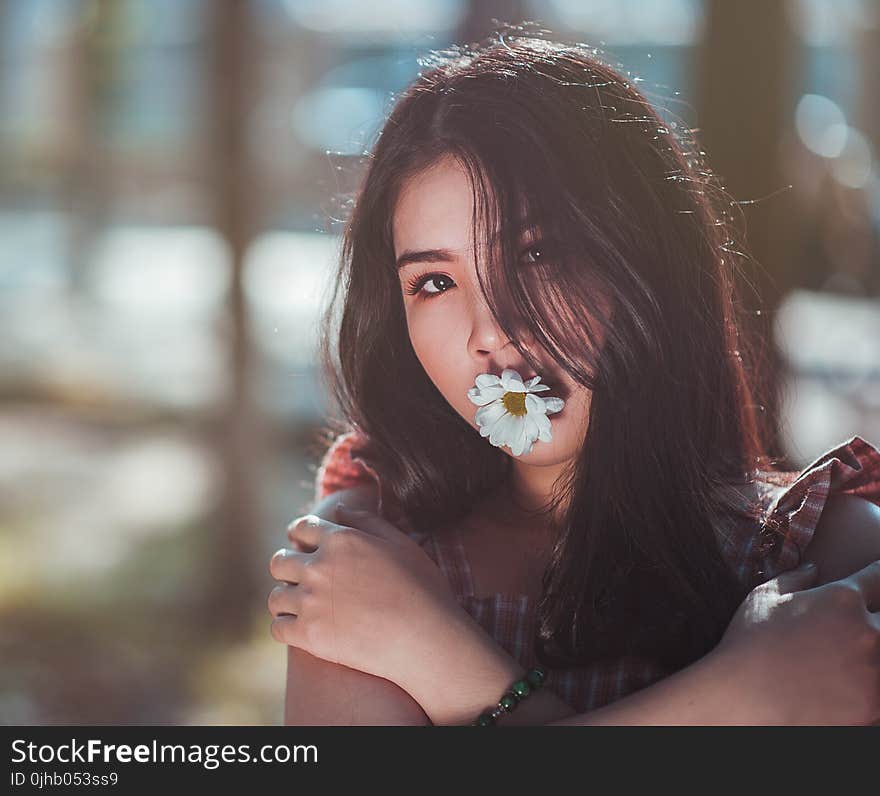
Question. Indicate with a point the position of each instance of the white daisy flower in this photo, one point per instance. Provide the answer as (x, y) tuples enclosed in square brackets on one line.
[(510, 412)]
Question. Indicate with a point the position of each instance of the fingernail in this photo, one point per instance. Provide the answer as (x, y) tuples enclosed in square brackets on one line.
[(808, 566)]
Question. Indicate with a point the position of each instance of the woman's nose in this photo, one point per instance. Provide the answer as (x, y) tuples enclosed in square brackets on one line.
[(486, 339), (487, 336)]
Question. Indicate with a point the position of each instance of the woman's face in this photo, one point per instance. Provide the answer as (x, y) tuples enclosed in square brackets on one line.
[(451, 328)]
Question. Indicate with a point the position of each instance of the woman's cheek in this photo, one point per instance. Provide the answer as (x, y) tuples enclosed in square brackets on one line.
[(424, 339), (443, 358)]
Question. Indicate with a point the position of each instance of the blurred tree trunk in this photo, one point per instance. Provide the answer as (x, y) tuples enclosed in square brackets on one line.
[(95, 55), (235, 582), (745, 103), (869, 70), (869, 109)]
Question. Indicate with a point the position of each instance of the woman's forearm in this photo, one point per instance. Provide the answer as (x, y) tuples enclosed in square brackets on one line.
[(466, 671), (708, 692), (713, 690), (321, 692)]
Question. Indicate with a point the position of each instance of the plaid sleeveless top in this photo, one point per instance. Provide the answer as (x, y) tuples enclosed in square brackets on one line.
[(792, 500)]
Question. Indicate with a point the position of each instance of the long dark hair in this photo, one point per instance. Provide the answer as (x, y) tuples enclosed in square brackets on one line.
[(636, 302)]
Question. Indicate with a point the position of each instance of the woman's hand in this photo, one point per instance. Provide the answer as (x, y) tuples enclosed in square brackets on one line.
[(362, 594), (810, 656)]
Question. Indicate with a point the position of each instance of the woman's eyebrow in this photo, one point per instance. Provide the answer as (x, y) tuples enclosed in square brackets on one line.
[(444, 255), (426, 256)]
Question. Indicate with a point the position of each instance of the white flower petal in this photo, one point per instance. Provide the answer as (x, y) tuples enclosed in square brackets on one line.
[(487, 429), (544, 428), (487, 380), (523, 439), (515, 448), (534, 404), (484, 396), (492, 430), (511, 429), (501, 430), (531, 435), (509, 377), (478, 398), (489, 414), (532, 429), (553, 405)]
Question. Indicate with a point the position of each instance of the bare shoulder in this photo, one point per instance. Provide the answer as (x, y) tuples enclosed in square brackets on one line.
[(847, 537)]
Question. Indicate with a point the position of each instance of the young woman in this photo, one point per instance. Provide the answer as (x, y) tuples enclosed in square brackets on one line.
[(526, 213)]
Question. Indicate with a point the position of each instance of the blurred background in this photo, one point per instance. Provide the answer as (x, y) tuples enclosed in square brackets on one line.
[(172, 179)]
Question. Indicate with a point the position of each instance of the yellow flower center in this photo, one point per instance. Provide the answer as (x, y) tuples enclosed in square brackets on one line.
[(515, 403)]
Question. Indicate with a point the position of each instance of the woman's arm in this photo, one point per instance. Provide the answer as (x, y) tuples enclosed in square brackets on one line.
[(775, 650), (784, 638), (711, 691), (716, 689), (321, 692)]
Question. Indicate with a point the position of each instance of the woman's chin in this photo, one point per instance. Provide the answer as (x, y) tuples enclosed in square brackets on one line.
[(542, 453)]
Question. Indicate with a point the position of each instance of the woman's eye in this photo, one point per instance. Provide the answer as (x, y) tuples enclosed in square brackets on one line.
[(415, 285), (539, 253)]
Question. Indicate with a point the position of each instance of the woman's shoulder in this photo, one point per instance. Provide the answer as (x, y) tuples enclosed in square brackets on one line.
[(829, 512)]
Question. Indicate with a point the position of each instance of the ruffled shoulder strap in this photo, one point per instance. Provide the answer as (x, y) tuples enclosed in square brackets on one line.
[(339, 470), (795, 501)]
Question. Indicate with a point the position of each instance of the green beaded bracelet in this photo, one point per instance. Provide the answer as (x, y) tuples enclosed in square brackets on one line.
[(518, 691)]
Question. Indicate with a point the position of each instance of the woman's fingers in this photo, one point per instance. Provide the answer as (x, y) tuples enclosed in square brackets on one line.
[(368, 521), (285, 599), (288, 565), (804, 577), (307, 531), (284, 629)]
